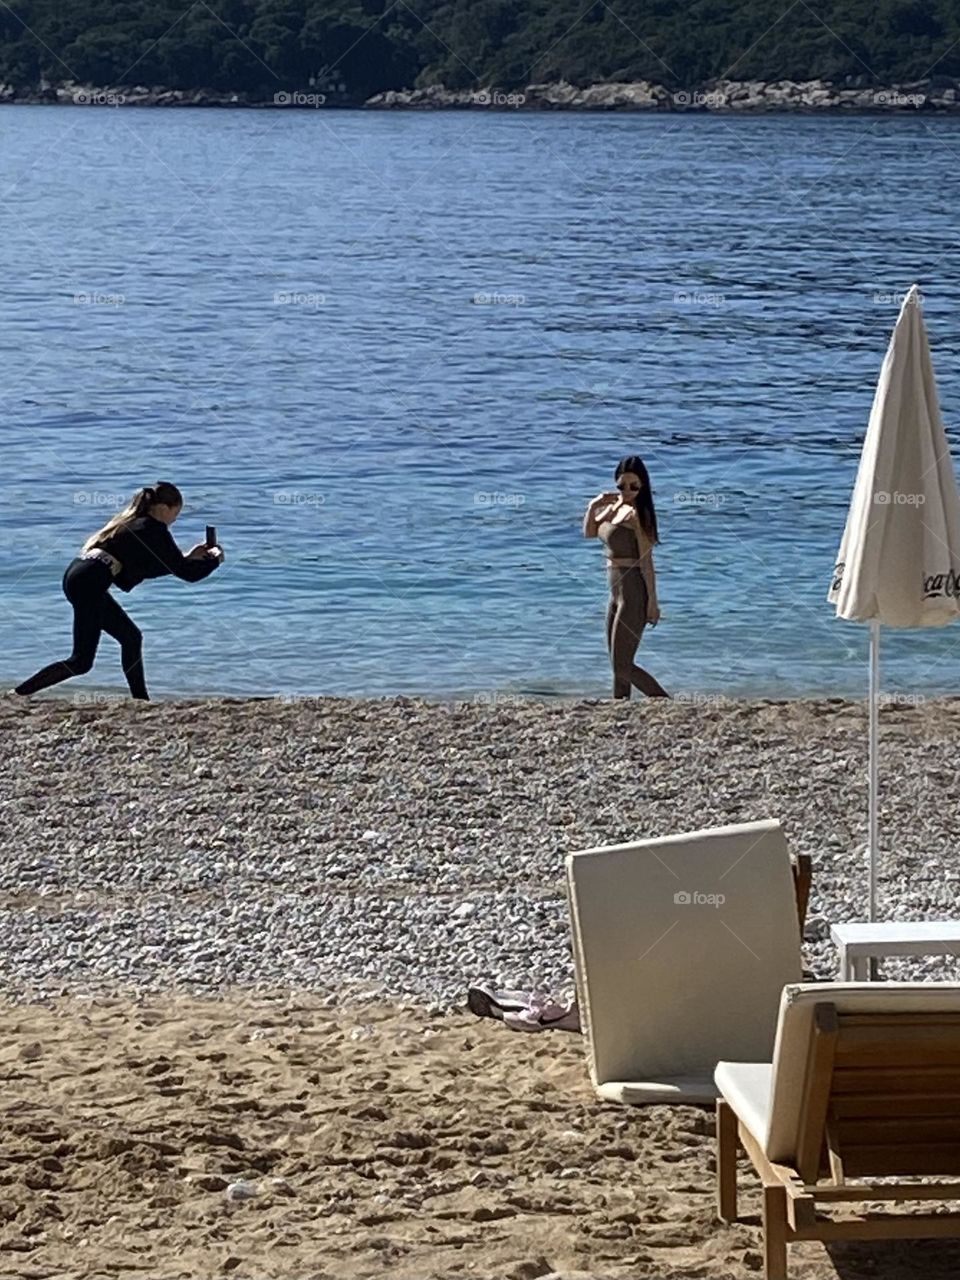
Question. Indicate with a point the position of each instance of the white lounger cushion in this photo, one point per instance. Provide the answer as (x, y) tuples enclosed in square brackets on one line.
[(687, 1089), (747, 1086), (795, 1026), (669, 987)]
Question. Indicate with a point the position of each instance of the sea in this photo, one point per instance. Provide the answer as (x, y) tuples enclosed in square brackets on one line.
[(392, 355)]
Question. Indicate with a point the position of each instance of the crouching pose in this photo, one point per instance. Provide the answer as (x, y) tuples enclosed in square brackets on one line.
[(134, 545)]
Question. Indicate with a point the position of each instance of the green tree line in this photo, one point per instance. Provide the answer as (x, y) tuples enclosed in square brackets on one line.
[(359, 47)]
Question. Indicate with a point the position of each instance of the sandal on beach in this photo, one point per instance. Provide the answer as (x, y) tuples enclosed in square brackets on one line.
[(523, 1010), (487, 1003)]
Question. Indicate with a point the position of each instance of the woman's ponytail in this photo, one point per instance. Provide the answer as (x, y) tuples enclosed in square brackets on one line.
[(144, 499)]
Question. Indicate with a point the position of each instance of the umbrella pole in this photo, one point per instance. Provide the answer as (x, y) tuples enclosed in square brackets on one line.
[(873, 850)]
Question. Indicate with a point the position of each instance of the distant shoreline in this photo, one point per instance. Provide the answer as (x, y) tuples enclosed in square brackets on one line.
[(728, 97)]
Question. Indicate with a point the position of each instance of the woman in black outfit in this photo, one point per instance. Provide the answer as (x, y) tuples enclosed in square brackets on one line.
[(135, 544)]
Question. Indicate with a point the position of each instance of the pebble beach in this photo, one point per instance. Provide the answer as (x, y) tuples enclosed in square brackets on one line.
[(399, 847), (237, 937)]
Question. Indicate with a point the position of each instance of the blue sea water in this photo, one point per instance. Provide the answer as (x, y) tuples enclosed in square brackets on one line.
[(391, 356)]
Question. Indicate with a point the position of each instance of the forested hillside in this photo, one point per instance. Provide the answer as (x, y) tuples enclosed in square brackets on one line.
[(359, 47)]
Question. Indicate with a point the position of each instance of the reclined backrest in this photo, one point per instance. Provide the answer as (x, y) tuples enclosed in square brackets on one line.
[(683, 946), (870, 1071)]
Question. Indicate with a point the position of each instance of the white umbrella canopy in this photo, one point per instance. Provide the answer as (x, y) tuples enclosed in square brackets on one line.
[(899, 559)]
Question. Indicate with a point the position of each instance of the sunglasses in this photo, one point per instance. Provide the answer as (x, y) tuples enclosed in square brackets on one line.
[(634, 488)]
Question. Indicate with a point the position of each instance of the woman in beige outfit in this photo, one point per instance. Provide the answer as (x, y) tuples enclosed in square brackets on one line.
[(627, 523)]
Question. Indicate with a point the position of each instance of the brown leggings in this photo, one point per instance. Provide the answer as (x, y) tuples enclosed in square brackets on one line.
[(626, 618)]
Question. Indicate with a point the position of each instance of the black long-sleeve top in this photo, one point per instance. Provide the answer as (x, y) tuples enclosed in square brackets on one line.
[(145, 549)]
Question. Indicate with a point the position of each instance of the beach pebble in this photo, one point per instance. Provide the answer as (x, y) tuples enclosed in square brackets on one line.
[(208, 1182), (242, 1190), (530, 1269)]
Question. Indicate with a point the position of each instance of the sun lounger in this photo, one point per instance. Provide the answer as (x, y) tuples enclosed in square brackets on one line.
[(864, 1083), (682, 947)]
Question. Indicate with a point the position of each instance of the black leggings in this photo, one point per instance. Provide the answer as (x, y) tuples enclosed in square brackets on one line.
[(86, 584)]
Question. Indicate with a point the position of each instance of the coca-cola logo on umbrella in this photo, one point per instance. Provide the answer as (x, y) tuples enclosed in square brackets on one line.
[(941, 584)]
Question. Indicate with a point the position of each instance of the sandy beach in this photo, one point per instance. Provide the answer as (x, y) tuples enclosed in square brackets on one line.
[(236, 941), (377, 1142)]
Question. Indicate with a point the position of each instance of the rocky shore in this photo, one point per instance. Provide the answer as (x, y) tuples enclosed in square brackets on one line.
[(932, 95), (400, 848), (723, 96)]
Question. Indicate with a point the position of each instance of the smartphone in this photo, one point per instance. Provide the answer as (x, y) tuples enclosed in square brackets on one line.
[(211, 535)]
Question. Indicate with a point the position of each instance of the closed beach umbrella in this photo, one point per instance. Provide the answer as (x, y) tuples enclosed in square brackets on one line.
[(899, 560)]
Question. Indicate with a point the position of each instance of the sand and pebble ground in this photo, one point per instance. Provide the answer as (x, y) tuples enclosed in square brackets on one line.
[(235, 935)]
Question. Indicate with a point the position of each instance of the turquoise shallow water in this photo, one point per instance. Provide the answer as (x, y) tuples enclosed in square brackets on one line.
[(391, 356)]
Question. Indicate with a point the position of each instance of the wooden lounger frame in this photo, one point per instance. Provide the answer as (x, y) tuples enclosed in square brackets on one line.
[(802, 868), (881, 1097)]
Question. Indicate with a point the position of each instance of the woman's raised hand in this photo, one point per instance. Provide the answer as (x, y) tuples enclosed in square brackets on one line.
[(626, 513), (602, 504)]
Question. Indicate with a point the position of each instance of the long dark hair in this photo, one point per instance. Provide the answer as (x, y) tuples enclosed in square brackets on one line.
[(163, 492), (644, 501)]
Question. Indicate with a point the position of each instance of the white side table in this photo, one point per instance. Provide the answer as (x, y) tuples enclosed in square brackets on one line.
[(859, 943)]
